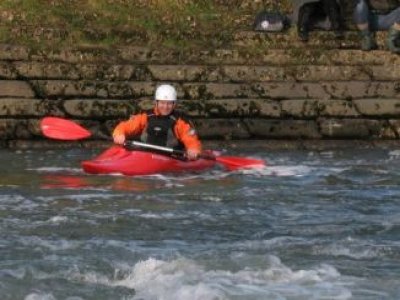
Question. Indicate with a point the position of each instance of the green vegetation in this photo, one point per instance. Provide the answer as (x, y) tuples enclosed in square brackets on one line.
[(154, 23)]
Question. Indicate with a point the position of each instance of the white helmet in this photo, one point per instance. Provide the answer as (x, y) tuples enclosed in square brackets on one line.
[(165, 92)]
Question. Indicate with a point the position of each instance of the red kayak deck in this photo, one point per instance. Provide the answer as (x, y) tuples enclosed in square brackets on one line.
[(122, 161)]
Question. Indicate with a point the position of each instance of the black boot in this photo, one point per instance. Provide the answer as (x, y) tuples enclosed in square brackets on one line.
[(303, 23), (333, 11), (393, 39), (303, 33), (367, 41)]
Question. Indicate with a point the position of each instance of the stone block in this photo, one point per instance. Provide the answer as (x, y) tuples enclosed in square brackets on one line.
[(395, 126), (134, 54), (210, 90), (289, 90), (342, 90), (386, 72), (16, 88), (322, 39), (80, 55), (46, 70), (359, 57), (296, 129), (19, 129), (348, 90), (231, 108), (66, 89), (255, 73), (300, 108), (99, 108), (143, 89), (336, 108), (275, 90), (316, 108), (352, 128), (221, 128), (378, 107), (19, 107), (296, 73), (105, 72), (7, 71), (13, 52), (185, 73)]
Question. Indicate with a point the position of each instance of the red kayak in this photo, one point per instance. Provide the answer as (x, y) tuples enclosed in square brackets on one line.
[(138, 162), (117, 159)]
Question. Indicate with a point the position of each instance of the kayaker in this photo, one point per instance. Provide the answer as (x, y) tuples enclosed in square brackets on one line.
[(161, 126)]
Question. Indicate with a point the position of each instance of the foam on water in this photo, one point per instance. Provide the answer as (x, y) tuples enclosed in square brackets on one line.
[(40, 296), (187, 279), (274, 243), (53, 221), (79, 197), (16, 202), (42, 244), (291, 171), (182, 177), (353, 248), (394, 153), (58, 219), (13, 186), (61, 170), (18, 273)]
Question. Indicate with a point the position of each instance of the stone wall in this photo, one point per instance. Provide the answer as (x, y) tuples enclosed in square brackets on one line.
[(281, 89)]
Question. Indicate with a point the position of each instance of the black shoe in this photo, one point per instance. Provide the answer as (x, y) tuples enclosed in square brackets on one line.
[(367, 41), (392, 39), (303, 34)]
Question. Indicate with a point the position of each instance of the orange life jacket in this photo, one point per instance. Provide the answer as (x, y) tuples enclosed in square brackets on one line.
[(150, 127)]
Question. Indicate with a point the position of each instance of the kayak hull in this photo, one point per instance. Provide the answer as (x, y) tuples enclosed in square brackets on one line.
[(122, 161)]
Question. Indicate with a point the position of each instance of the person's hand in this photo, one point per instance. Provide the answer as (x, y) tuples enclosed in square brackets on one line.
[(192, 154), (119, 139)]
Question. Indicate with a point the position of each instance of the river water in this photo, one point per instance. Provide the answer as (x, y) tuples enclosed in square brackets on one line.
[(312, 225)]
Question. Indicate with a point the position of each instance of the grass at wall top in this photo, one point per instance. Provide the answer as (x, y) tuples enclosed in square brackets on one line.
[(154, 23)]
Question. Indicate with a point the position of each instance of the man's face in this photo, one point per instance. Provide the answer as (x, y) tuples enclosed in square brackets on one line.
[(165, 108)]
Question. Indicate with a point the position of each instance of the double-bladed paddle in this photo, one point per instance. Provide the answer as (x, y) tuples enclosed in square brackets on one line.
[(62, 129)]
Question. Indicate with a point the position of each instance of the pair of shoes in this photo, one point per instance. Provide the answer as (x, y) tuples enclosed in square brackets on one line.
[(367, 41), (303, 34), (393, 39)]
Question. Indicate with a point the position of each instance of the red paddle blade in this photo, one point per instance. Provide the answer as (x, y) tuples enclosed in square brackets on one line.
[(61, 129), (234, 162)]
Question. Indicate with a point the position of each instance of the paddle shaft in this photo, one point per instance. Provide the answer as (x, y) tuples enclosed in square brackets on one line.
[(163, 149), (153, 147)]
